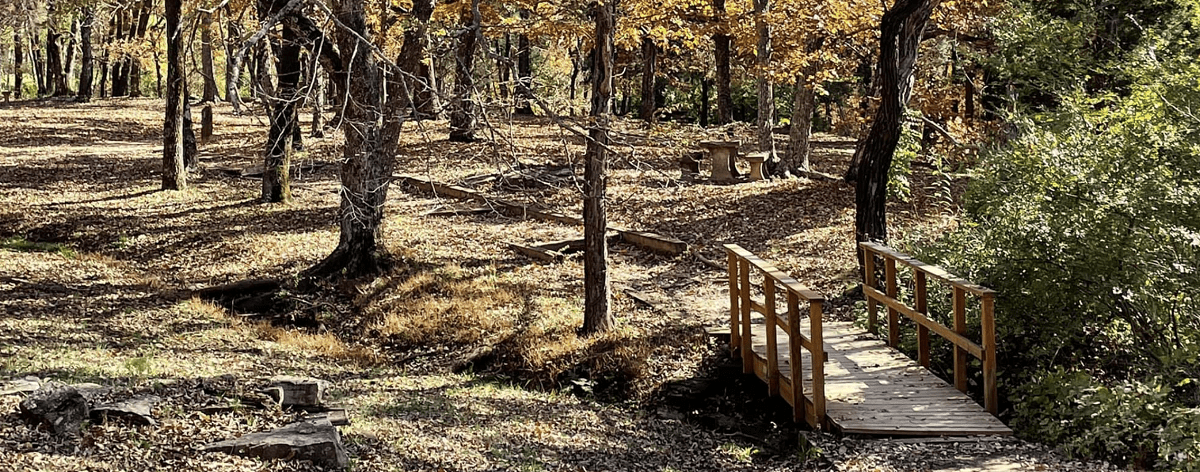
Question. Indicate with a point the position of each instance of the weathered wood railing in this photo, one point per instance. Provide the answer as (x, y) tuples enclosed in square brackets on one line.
[(809, 407), (963, 346)]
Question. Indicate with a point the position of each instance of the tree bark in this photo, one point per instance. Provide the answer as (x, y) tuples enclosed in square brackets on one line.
[(372, 131), (276, 185), (705, 91), (135, 67), (19, 59), (174, 169), (420, 88), (56, 81), (722, 45), (233, 34), (462, 113), (900, 38), (525, 71), (88, 60), (210, 78), (801, 131), (39, 66), (649, 61), (597, 311), (766, 90), (69, 64)]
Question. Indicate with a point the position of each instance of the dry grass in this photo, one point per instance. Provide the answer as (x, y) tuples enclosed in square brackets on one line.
[(83, 177)]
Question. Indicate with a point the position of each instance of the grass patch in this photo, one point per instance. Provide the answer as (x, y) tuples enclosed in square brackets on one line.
[(19, 244)]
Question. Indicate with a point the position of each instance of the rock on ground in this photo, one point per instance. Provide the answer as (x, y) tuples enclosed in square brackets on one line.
[(313, 440), (60, 408)]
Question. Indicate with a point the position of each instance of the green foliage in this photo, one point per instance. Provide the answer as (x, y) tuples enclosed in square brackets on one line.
[(1131, 422), (1085, 222), (908, 149)]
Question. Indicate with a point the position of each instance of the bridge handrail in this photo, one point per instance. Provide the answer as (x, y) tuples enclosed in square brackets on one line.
[(741, 305), (986, 352)]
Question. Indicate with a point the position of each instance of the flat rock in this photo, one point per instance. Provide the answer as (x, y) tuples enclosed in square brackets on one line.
[(297, 391), (314, 440), (62, 409), (16, 386), (91, 391), (136, 410)]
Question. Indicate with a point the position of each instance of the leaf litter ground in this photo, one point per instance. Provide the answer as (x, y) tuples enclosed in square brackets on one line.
[(98, 268)]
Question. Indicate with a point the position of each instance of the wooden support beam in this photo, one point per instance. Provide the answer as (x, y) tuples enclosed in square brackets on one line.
[(772, 340), (991, 398), (889, 270), (654, 242), (923, 355), (537, 253), (735, 335)]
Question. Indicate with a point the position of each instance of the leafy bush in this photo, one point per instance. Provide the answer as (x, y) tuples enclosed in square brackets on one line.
[(1086, 223), (1132, 422)]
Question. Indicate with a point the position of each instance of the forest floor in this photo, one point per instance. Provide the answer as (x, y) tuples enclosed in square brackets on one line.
[(462, 358)]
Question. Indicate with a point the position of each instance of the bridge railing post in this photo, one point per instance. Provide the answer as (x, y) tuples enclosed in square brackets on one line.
[(869, 275), (794, 359), (735, 336), (744, 304), (922, 302), (960, 327), (772, 342), (991, 398), (889, 270), (818, 360)]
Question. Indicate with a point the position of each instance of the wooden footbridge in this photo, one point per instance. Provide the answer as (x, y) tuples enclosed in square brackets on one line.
[(840, 377)]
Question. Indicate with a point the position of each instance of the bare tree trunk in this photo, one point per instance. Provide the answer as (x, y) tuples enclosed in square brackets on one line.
[(72, 44), (462, 113), (56, 81), (210, 78), (278, 157), (705, 91), (135, 68), (19, 85), (576, 66), (597, 312), (372, 131), (174, 169), (39, 66), (414, 59), (88, 61), (766, 90), (525, 72), (232, 68), (649, 61), (721, 43), (503, 68), (900, 38), (801, 131), (317, 95)]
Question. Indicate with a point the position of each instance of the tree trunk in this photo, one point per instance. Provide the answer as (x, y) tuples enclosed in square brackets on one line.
[(801, 130), (174, 169), (597, 312), (264, 88), (649, 61), (72, 44), (900, 38), (56, 81), (503, 68), (803, 106), (525, 72), (372, 131), (276, 185), (88, 60), (705, 91), (576, 66), (19, 58), (766, 90), (318, 95), (462, 113), (721, 43), (210, 78), (39, 66), (191, 153), (420, 88), (135, 68), (233, 72)]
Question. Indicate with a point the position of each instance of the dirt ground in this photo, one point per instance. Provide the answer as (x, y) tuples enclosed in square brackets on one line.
[(98, 267)]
